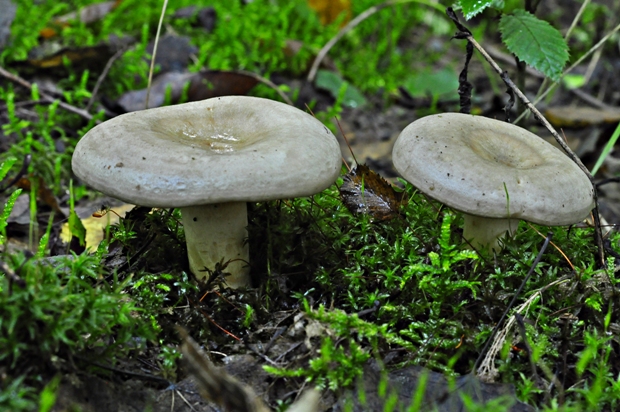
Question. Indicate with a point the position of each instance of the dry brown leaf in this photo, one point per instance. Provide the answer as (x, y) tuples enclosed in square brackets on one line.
[(84, 57), (364, 191), (44, 193), (203, 85)]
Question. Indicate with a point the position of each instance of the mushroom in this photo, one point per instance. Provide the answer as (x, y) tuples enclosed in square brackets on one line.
[(494, 172), (209, 158)]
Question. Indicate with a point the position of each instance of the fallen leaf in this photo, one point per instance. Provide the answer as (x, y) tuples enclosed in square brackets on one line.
[(215, 83), (92, 58), (87, 15), (171, 83), (173, 53), (330, 10), (95, 226), (569, 116), (44, 193), (364, 191), (198, 86), (333, 83)]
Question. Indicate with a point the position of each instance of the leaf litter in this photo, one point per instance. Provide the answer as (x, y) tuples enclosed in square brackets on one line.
[(366, 192)]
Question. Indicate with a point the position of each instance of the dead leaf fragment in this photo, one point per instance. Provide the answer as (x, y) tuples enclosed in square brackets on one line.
[(198, 86), (44, 193), (569, 116), (95, 226), (92, 58), (330, 10), (364, 191), (87, 15)]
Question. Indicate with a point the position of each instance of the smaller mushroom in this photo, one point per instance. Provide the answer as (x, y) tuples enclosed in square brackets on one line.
[(494, 172), (209, 158)]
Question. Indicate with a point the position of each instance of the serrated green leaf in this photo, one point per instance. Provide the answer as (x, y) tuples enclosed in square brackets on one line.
[(472, 7), (535, 42)]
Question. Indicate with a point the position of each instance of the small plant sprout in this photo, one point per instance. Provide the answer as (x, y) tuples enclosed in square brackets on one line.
[(209, 158), (472, 164)]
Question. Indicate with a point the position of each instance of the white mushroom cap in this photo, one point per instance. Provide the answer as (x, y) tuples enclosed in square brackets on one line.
[(209, 158), (225, 149), (464, 161)]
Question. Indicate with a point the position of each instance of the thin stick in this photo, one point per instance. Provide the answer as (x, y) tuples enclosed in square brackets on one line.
[(588, 98), (354, 23), (16, 79), (466, 34), (572, 67), (267, 82), (514, 299), (161, 21), (103, 75), (348, 145), (576, 19)]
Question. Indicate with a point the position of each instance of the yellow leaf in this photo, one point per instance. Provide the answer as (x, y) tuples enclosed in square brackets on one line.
[(329, 10), (95, 226)]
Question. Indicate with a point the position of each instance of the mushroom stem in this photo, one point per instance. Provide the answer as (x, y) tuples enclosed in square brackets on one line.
[(485, 232), (215, 232)]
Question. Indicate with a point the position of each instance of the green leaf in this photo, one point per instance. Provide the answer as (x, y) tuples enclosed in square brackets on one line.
[(333, 83), (442, 83), (472, 7), (77, 228), (535, 42), (6, 212), (606, 150), (48, 395), (6, 166)]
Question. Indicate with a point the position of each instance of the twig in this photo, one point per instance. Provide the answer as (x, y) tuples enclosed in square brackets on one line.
[(103, 75), (16, 79), (576, 19), (140, 376), (577, 63), (268, 82), (184, 400), (514, 299), (528, 349), (588, 98), (13, 277), (464, 33), (354, 23), (151, 69)]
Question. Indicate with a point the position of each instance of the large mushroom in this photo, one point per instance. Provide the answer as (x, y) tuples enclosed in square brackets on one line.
[(494, 172), (209, 158)]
